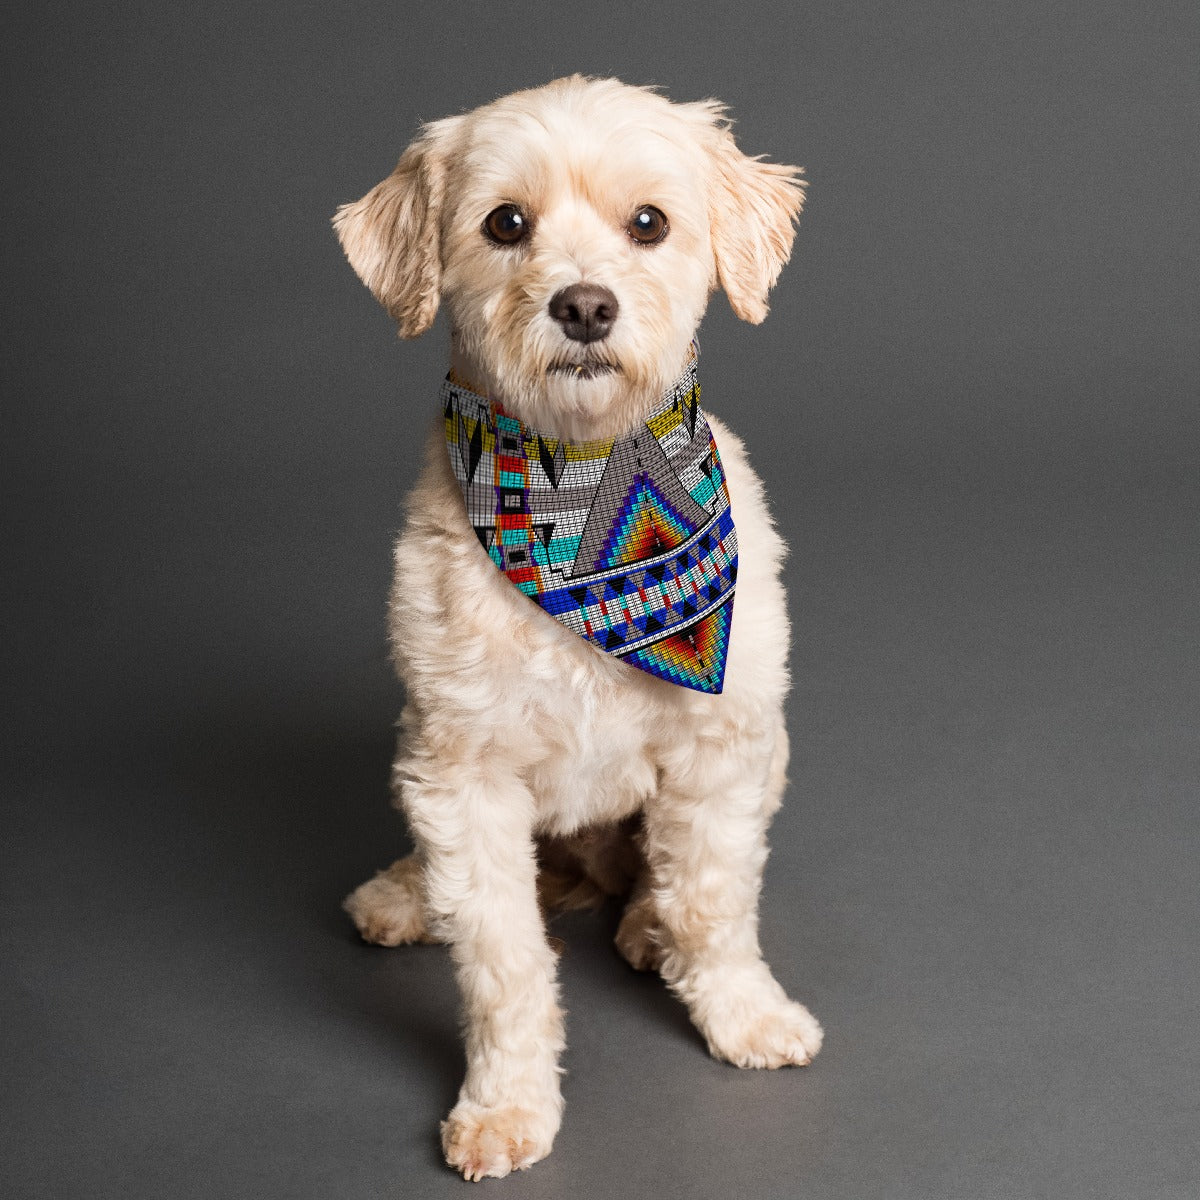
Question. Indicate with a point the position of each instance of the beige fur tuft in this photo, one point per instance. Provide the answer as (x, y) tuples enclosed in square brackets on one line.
[(755, 208)]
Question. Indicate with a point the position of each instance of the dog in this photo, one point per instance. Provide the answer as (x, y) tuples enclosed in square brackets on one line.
[(575, 233)]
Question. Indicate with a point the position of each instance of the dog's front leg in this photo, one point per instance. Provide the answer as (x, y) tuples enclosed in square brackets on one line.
[(706, 846), (475, 831)]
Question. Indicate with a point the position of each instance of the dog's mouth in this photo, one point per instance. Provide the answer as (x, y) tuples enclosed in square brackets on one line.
[(588, 369)]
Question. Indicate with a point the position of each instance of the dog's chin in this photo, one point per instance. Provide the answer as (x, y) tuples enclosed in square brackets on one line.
[(581, 396), (579, 400)]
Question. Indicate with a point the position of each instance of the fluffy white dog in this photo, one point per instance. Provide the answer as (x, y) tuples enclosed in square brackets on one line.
[(575, 233)]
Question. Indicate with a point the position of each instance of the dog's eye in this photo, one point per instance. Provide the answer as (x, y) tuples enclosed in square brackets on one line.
[(506, 225), (647, 226)]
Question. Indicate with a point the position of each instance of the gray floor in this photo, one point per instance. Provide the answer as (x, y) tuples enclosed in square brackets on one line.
[(975, 407)]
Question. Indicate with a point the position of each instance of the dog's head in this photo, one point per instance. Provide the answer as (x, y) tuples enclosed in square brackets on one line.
[(575, 232)]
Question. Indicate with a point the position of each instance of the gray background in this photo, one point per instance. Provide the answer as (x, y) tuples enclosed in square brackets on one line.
[(975, 407)]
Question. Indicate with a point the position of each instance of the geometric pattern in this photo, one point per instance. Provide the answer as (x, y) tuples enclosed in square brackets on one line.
[(629, 542), (694, 653), (645, 525)]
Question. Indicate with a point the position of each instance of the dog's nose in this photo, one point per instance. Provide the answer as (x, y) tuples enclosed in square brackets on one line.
[(586, 311)]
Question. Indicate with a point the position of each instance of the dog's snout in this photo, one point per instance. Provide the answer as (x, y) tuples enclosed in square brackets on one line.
[(586, 311)]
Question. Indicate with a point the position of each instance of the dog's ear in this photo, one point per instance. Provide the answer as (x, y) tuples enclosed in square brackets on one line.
[(391, 236), (753, 210)]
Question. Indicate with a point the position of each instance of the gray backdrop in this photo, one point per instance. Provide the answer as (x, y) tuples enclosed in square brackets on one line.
[(975, 407)]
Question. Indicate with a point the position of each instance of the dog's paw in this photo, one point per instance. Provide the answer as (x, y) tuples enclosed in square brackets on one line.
[(485, 1143), (389, 909), (637, 940), (782, 1034)]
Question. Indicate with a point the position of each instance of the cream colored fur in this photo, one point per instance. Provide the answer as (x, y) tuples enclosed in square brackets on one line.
[(518, 737)]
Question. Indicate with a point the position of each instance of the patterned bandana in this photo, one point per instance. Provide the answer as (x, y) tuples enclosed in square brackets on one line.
[(628, 542)]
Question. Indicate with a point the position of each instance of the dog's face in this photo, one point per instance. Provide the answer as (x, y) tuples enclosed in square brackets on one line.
[(575, 232)]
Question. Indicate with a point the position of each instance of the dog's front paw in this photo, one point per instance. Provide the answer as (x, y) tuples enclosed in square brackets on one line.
[(491, 1142), (389, 910), (779, 1034)]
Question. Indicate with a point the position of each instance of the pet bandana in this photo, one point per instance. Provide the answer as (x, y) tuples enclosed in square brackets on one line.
[(627, 542)]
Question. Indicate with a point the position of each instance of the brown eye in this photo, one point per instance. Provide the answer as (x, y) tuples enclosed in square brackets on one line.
[(647, 226), (506, 225)]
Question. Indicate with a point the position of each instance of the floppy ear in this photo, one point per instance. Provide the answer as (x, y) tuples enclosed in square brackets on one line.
[(391, 236), (754, 206)]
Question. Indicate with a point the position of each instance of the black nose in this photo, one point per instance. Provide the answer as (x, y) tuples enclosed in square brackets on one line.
[(586, 311)]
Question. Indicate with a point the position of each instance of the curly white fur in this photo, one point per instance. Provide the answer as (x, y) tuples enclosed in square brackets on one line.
[(515, 729)]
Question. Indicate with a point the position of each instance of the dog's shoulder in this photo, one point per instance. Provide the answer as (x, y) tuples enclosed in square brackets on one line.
[(761, 549)]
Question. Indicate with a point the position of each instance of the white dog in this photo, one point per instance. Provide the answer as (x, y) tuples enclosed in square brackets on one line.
[(575, 233)]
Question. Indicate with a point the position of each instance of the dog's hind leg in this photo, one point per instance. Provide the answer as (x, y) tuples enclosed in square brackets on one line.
[(473, 823), (705, 839), (638, 938), (389, 910), (582, 870)]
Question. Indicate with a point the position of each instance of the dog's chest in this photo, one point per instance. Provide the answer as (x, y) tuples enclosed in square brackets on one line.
[(597, 763)]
